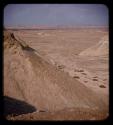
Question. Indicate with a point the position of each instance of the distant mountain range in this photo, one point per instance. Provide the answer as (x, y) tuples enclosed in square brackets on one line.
[(52, 27)]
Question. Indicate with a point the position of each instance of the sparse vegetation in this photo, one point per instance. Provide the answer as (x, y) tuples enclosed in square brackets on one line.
[(84, 73), (95, 79), (79, 70), (61, 66), (102, 86), (77, 77)]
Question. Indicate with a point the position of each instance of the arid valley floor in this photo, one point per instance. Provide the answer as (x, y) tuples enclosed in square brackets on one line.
[(57, 74)]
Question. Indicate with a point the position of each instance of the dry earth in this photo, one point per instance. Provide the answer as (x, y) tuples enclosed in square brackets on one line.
[(51, 70)]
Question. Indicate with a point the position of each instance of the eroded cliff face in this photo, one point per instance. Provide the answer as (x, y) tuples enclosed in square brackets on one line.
[(29, 77)]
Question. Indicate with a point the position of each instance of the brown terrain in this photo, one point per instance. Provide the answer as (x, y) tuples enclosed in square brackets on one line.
[(56, 74)]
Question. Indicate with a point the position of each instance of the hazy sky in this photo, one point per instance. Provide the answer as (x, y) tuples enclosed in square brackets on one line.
[(55, 14)]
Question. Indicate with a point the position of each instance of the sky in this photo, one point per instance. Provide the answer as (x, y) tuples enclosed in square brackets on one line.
[(55, 15)]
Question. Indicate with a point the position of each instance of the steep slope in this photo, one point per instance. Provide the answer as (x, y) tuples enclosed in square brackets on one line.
[(28, 77), (100, 49)]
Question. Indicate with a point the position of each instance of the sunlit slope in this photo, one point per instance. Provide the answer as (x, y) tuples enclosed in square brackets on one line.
[(99, 49)]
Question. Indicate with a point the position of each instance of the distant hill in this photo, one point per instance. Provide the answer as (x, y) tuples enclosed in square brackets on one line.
[(53, 27), (99, 49)]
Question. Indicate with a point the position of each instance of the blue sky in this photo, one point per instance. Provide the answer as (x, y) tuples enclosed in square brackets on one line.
[(55, 14)]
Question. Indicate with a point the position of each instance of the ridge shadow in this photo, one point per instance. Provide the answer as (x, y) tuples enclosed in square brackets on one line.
[(16, 107)]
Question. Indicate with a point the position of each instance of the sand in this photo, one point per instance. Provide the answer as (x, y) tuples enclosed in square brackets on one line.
[(50, 75)]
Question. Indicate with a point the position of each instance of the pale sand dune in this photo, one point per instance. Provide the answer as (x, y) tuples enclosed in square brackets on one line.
[(100, 49), (28, 77)]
